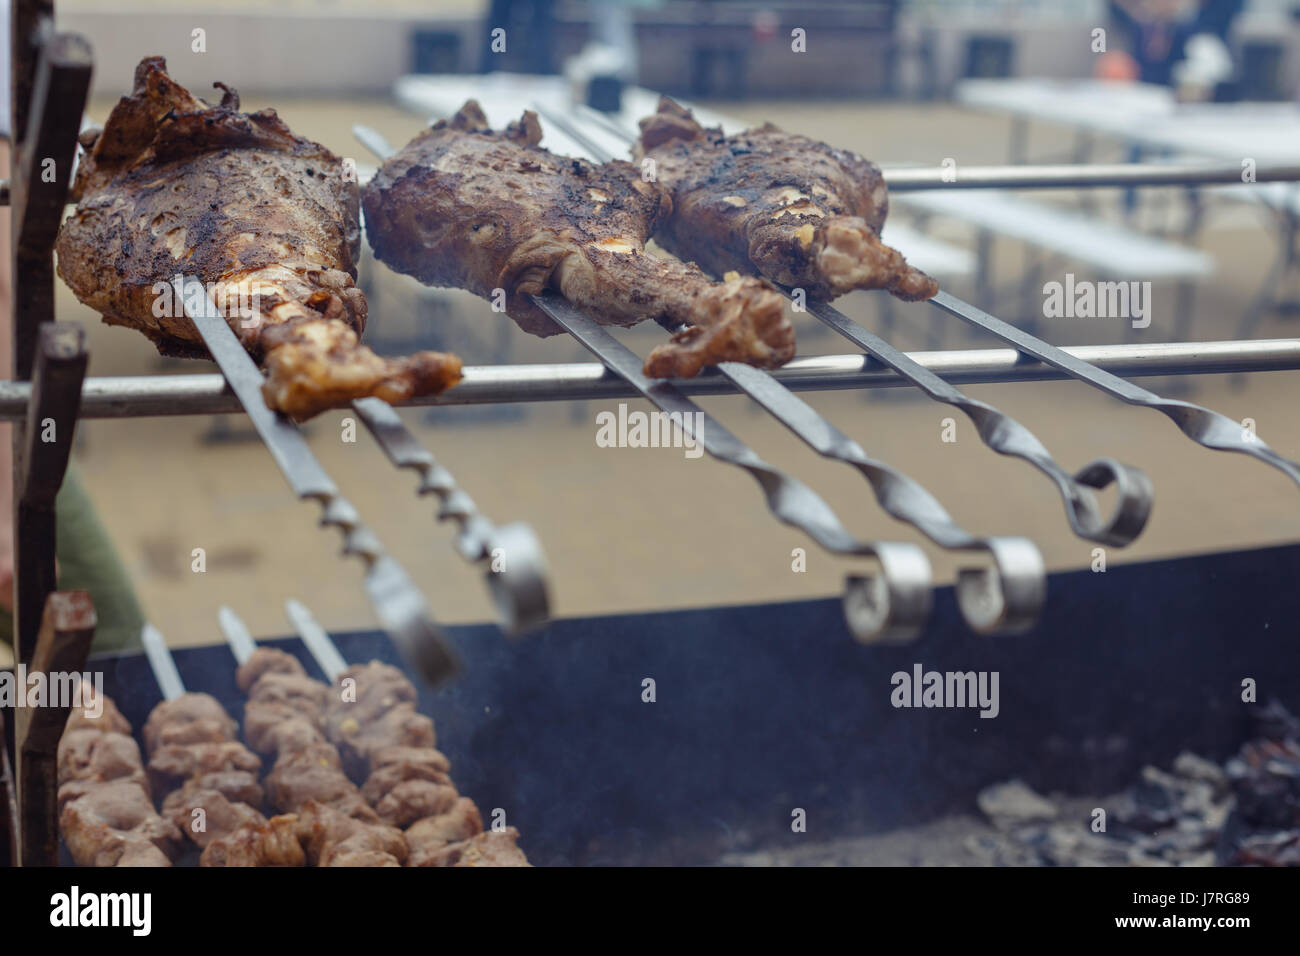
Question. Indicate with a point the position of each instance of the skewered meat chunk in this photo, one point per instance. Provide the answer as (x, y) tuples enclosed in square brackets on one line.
[(463, 206), (109, 719), (106, 815), (333, 838), (333, 823), (266, 660), (428, 837), (173, 764), (89, 756), (490, 848), (408, 783), (189, 719), (273, 842), (783, 206), (113, 821), (173, 186), (212, 777), (382, 715)]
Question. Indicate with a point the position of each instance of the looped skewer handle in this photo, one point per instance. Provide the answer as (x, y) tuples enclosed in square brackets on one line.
[(1006, 436), (1006, 596), (515, 567), (1201, 425), (891, 607)]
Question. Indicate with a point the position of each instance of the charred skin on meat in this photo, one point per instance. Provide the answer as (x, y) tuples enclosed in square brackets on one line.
[(467, 207), (268, 220), (787, 207)]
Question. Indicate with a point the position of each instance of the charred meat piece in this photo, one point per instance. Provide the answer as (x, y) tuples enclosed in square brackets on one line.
[(786, 207), (490, 848), (332, 838), (273, 842), (266, 219), (428, 837), (493, 212)]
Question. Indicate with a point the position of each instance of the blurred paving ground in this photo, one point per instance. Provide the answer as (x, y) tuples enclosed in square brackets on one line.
[(629, 529)]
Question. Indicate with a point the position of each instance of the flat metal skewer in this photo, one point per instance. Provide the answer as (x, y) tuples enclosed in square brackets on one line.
[(889, 607), (998, 431), (1006, 436), (1008, 596), (397, 603), (1201, 425), (162, 663), (514, 566), (317, 639), (237, 635)]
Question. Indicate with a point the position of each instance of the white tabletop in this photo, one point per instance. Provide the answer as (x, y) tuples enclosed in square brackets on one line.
[(1148, 115)]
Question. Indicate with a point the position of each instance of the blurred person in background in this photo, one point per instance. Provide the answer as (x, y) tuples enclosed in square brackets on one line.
[(87, 559), (1180, 43), (529, 27)]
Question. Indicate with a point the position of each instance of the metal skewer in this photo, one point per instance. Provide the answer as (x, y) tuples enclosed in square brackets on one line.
[(1201, 425), (1005, 597), (318, 641), (997, 430), (891, 607), (398, 604), (162, 663), (514, 567), (236, 633)]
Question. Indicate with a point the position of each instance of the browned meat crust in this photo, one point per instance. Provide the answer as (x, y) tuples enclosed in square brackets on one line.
[(174, 186), (787, 207), (463, 206)]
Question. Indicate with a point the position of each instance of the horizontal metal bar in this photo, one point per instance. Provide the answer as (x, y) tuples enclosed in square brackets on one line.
[(141, 396), (907, 178), (1065, 176)]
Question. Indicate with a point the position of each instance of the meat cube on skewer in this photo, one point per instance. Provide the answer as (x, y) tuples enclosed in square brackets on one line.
[(494, 213), (106, 814), (786, 207), (173, 186)]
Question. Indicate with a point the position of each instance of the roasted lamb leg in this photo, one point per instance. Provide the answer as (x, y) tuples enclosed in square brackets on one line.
[(494, 213), (786, 207), (266, 219)]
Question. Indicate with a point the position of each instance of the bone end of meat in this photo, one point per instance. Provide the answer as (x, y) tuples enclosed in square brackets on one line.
[(848, 255), (741, 320)]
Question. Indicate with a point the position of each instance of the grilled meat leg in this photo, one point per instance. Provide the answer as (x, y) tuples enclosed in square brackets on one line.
[(266, 219), (784, 206), (494, 213)]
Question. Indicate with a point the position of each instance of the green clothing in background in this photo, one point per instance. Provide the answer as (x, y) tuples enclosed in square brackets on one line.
[(89, 562)]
